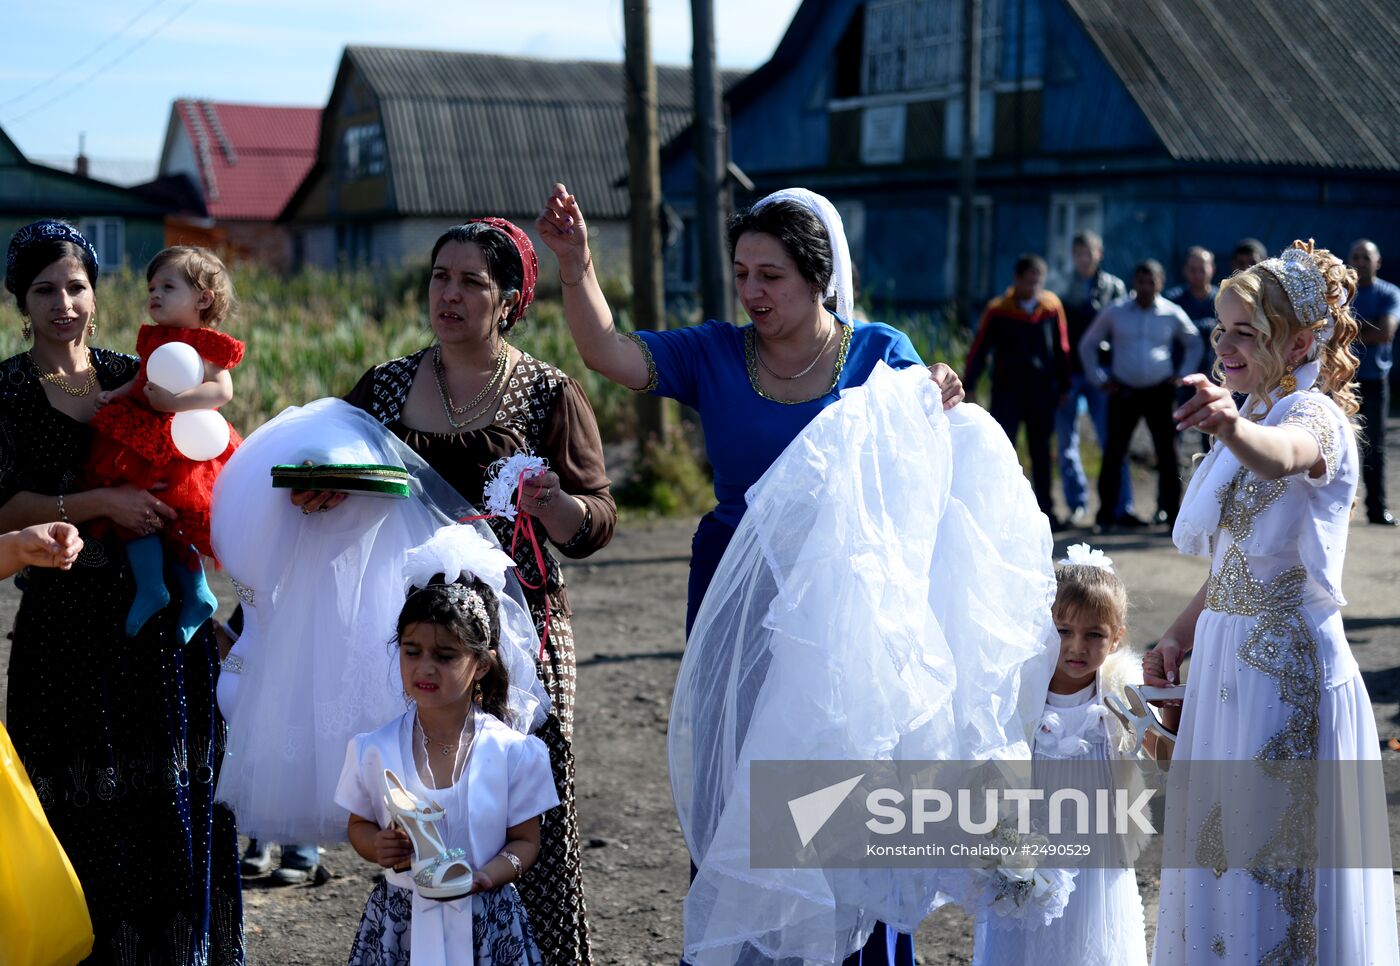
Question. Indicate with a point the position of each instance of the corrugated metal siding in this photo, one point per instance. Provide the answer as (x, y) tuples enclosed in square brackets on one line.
[(471, 133), (1302, 82)]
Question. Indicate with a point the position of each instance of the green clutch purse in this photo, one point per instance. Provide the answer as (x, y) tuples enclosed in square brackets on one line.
[(370, 479)]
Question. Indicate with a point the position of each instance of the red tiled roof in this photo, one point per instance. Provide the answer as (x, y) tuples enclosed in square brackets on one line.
[(250, 157)]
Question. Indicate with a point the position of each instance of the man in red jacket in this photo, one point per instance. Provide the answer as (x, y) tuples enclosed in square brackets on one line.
[(1025, 333)]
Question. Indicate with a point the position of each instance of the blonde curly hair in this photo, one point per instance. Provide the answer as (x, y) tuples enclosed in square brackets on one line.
[(205, 272), (1272, 315)]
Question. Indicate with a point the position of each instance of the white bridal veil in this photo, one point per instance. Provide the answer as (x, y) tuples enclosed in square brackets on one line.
[(321, 593), (887, 596)]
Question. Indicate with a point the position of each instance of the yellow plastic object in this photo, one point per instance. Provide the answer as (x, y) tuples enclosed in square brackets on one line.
[(43, 915)]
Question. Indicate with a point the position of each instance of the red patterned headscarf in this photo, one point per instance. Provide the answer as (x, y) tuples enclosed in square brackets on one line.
[(529, 264)]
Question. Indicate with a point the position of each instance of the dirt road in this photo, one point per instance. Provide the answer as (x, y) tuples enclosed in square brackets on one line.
[(630, 601)]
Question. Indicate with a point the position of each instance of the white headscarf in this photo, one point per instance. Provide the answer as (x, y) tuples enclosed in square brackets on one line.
[(840, 284)]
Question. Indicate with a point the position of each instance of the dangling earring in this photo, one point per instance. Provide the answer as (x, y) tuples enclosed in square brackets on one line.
[(92, 326), (1289, 382), (504, 324), (26, 329)]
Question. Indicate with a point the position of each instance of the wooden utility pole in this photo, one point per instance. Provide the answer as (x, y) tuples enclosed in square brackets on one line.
[(710, 167), (644, 185), (967, 176)]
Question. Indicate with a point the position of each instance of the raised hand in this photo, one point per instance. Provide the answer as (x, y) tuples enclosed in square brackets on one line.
[(561, 227)]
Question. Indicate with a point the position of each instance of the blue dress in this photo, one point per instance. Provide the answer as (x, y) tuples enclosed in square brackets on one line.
[(712, 368)]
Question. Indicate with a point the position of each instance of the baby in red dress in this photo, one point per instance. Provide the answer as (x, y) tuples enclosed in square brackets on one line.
[(190, 295)]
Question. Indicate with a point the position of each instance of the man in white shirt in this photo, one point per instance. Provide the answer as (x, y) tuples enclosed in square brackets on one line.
[(1141, 329)]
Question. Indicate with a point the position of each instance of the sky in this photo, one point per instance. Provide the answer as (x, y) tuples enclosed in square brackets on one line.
[(110, 70)]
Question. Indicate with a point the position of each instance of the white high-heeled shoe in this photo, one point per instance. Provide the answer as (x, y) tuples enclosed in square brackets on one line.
[(438, 872), (1141, 719)]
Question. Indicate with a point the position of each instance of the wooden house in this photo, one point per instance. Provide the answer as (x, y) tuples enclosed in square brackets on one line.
[(1160, 124), (245, 161), (414, 141), (124, 226)]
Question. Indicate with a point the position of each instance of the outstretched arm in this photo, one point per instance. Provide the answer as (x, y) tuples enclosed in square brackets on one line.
[(604, 350), (1270, 452)]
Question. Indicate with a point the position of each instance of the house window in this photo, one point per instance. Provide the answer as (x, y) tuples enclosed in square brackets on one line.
[(354, 243), (680, 248), (362, 151), (916, 45), (1069, 215), (108, 237), (980, 269), (882, 134)]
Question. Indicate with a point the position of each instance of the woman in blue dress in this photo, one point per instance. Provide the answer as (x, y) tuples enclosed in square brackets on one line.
[(756, 387)]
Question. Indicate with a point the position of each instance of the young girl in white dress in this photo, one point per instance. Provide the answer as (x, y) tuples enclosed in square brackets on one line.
[(447, 797), (1103, 921), (1272, 678)]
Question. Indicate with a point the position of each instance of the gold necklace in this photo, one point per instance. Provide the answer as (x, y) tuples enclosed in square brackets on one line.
[(810, 366), (472, 410), (54, 379)]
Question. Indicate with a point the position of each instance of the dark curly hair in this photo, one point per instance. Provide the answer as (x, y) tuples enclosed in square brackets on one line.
[(502, 261), (440, 604), (798, 230)]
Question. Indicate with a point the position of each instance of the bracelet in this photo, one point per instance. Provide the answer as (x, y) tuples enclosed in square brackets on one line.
[(587, 264), (514, 861), (62, 513)]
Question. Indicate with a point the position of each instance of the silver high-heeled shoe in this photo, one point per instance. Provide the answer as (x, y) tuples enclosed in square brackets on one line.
[(1141, 719)]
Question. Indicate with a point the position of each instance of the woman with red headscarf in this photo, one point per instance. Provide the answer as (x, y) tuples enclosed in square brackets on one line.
[(464, 403)]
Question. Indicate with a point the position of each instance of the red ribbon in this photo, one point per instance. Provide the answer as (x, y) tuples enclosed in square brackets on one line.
[(524, 523)]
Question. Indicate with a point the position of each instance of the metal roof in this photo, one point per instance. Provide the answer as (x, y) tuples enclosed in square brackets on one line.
[(1287, 82), (468, 132)]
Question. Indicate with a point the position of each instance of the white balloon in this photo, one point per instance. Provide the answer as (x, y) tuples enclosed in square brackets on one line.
[(175, 367), (200, 434)]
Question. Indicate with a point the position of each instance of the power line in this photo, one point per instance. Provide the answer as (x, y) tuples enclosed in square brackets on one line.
[(68, 70), (105, 67)]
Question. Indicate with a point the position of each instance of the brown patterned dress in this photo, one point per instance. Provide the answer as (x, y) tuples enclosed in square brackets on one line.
[(545, 412)]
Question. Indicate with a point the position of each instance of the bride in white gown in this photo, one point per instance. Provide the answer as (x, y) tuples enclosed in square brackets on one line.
[(1272, 677)]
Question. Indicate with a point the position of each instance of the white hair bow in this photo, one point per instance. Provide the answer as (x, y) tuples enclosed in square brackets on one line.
[(453, 551), (1083, 555)]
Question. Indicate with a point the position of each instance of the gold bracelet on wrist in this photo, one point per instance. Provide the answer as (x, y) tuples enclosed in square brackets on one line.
[(587, 264)]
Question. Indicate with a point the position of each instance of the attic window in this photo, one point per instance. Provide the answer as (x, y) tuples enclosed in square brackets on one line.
[(916, 45), (362, 151)]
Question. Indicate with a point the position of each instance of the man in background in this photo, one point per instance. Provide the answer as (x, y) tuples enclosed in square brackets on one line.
[(1089, 291), (1197, 300), (1146, 332), (1377, 311), (1023, 330)]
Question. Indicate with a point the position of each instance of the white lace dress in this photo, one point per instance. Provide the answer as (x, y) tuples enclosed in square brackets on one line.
[(1103, 922), (1272, 680)]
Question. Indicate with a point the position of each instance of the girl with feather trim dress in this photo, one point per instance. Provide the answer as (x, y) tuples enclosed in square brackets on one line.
[(1103, 920)]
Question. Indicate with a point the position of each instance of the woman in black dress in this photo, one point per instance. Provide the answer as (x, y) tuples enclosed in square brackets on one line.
[(119, 735)]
